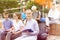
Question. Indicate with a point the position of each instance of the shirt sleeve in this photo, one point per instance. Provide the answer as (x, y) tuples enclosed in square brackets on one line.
[(3, 23), (21, 23), (47, 21), (39, 13), (36, 27), (11, 24), (50, 13)]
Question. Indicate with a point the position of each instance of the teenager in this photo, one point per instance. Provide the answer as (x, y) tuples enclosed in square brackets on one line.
[(32, 25)]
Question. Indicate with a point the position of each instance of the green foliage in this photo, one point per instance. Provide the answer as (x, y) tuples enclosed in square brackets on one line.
[(31, 3), (7, 5), (12, 11), (46, 10), (8, 0)]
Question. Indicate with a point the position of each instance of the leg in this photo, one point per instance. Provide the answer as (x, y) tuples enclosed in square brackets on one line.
[(8, 36), (19, 38), (30, 38), (0, 35), (11, 36), (27, 38), (3, 35)]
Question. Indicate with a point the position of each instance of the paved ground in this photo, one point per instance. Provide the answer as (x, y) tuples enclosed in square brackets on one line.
[(51, 37)]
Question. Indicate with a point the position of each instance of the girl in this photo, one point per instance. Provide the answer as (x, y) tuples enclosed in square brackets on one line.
[(32, 25), (17, 27)]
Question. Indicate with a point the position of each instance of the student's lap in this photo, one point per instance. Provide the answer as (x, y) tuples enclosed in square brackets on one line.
[(27, 38)]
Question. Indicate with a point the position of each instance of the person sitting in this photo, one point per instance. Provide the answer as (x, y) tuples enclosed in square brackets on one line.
[(7, 26), (32, 26)]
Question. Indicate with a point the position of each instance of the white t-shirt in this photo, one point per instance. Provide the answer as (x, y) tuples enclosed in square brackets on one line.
[(33, 25), (55, 14), (17, 25)]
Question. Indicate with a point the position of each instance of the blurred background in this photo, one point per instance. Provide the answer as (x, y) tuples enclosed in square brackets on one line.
[(16, 5)]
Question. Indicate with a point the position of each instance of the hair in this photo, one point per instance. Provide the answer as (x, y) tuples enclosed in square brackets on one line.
[(28, 11), (24, 8), (18, 15), (33, 8), (5, 13)]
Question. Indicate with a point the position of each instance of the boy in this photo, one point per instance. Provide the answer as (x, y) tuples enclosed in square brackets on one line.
[(7, 26)]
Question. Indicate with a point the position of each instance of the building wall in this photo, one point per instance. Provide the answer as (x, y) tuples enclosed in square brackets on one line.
[(58, 1)]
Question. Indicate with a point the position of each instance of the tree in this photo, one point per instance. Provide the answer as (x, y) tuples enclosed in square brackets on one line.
[(31, 3), (43, 2), (7, 4)]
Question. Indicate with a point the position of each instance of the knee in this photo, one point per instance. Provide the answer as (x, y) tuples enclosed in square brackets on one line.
[(9, 33), (0, 32)]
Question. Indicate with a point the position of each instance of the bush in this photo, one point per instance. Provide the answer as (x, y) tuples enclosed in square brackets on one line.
[(46, 10), (31, 3), (7, 5)]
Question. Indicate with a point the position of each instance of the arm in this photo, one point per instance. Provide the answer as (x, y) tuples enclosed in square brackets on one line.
[(47, 21), (21, 27), (20, 31), (50, 14), (2, 27), (39, 16), (12, 27), (36, 29)]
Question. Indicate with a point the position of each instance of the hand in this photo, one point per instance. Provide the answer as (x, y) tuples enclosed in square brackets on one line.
[(48, 28), (28, 33), (14, 32), (9, 30)]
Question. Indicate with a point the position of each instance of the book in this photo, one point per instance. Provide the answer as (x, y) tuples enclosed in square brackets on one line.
[(29, 30)]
